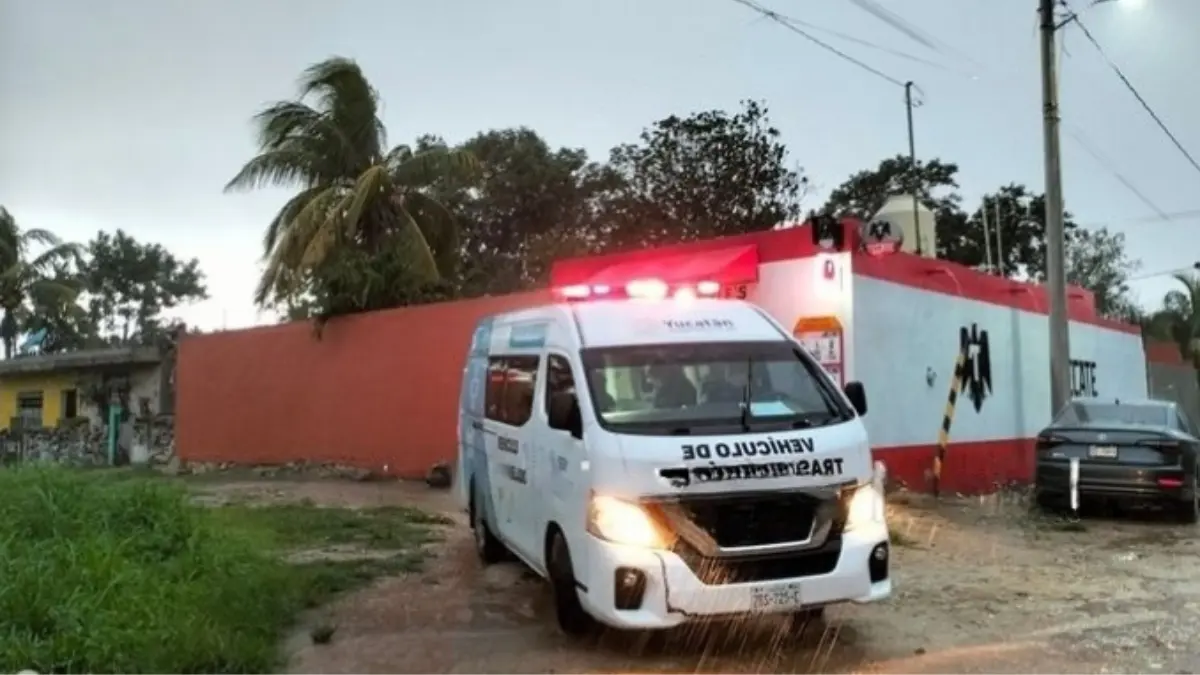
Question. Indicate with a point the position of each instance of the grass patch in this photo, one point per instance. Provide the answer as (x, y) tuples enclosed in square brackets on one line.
[(388, 539), (108, 573)]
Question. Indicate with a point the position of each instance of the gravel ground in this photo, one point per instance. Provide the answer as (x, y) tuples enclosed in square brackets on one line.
[(981, 587)]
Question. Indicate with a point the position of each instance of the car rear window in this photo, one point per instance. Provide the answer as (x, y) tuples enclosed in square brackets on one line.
[(1091, 413)]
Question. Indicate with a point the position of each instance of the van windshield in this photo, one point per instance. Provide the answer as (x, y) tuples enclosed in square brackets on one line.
[(697, 387)]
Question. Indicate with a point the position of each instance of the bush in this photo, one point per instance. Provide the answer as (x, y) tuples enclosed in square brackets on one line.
[(98, 575)]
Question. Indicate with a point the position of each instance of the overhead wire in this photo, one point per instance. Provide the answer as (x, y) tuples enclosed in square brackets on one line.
[(1078, 135), (910, 30), (774, 16), (867, 43), (798, 26), (1074, 18)]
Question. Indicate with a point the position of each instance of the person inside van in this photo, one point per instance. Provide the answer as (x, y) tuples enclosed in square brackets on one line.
[(604, 400), (717, 387)]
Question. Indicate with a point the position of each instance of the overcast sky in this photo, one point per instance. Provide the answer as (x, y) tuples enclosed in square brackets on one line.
[(134, 113)]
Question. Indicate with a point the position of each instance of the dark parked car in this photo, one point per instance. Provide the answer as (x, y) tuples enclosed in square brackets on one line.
[(1136, 451)]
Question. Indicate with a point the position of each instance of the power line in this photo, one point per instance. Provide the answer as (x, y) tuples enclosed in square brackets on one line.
[(910, 30), (1074, 16), (1174, 217), (795, 25), (817, 41), (1107, 164), (867, 43)]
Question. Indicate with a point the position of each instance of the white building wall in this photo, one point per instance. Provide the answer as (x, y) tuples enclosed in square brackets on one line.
[(904, 334), (791, 290)]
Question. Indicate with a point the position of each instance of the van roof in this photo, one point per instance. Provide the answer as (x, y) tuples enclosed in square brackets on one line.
[(610, 323)]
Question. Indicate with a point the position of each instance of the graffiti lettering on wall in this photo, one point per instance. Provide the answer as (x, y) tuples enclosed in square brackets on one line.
[(1083, 378), (977, 365)]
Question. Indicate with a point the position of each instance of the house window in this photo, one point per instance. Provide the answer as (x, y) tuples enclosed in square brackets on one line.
[(29, 409)]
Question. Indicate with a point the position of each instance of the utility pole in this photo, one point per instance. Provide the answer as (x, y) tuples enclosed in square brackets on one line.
[(913, 178), (1056, 284)]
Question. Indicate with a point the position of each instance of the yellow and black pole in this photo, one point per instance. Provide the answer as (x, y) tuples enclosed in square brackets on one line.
[(947, 420)]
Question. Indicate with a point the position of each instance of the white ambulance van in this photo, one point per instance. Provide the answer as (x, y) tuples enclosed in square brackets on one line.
[(663, 458)]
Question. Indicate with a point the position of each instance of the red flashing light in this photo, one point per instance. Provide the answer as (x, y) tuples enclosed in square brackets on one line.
[(641, 289), (648, 289), (575, 292)]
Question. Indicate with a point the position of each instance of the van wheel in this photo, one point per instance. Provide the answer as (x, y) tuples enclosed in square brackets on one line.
[(572, 618), (487, 546)]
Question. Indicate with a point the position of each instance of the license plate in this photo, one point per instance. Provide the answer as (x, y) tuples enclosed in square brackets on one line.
[(1103, 451), (777, 597)]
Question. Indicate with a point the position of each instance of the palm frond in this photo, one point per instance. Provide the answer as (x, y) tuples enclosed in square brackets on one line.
[(276, 168), (39, 236), (343, 90), (286, 215), (372, 186), (424, 167), (424, 264), (309, 237), (50, 291), (58, 253), (438, 226), (282, 121)]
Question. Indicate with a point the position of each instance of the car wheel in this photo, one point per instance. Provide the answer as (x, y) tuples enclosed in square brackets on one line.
[(487, 546), (572, 618)]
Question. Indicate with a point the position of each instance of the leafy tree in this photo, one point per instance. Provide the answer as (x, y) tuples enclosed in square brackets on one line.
[(864, 193), (1096, 260), (708, 174), (56, 316), (26, 275), (1179, 319), (355, 197), (523, 195), (129, 284), (1015, 221)]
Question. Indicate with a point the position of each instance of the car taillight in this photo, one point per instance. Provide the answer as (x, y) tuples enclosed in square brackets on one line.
[(1168, 444), (1047, 441)]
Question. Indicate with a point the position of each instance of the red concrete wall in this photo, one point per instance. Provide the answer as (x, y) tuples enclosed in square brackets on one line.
[(377, 390)]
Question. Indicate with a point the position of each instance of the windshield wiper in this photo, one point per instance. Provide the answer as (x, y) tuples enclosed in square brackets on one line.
[(746, 396)]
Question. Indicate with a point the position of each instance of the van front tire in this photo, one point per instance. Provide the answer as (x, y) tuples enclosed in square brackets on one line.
[(487, 546), (572, 618)]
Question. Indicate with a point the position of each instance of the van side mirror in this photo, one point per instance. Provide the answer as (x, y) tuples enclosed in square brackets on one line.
[(565, 414), (858, 396)]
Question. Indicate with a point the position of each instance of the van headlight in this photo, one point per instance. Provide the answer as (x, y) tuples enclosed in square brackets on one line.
[(866, 507), (623, 522)]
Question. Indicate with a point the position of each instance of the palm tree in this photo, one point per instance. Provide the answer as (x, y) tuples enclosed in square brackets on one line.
[(353, 191), (25, 276), (1179, 319)]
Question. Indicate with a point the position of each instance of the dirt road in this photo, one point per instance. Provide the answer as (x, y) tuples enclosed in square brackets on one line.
[(981, 587)]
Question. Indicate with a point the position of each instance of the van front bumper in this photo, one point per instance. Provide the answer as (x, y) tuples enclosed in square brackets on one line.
[(671, 593)]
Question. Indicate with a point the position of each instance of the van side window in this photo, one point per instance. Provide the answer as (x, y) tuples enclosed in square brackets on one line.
[(510, 386), (559, 378)]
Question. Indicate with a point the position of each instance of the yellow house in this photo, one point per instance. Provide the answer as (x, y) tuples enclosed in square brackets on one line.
[(44, 389)]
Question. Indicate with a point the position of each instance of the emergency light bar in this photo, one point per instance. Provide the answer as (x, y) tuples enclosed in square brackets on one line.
[(641, 289)]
